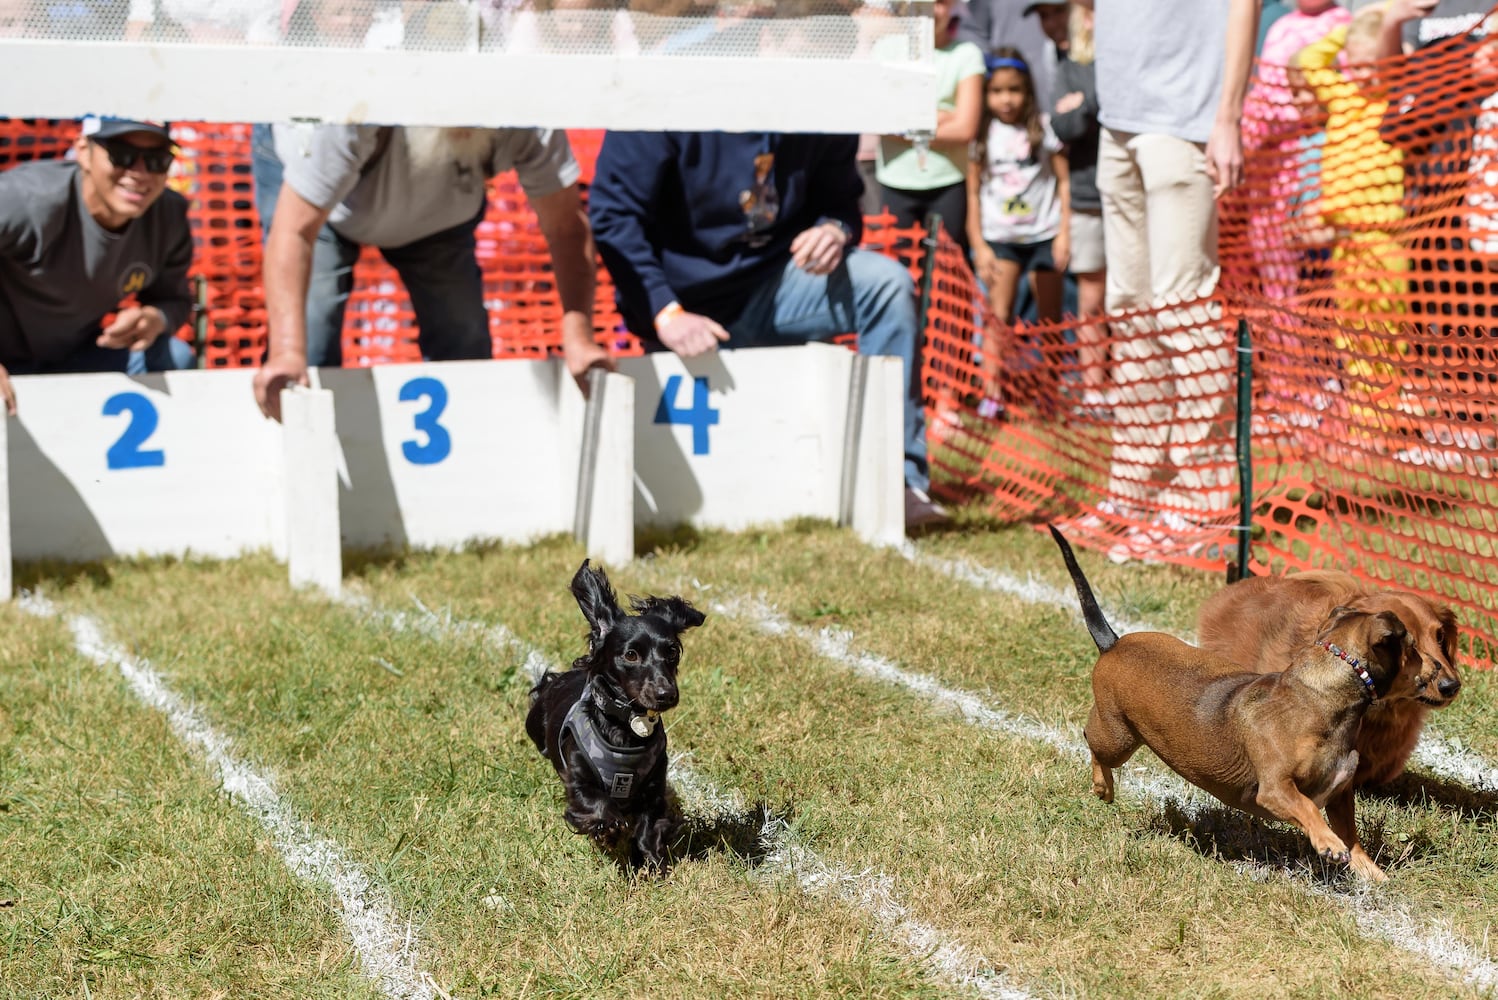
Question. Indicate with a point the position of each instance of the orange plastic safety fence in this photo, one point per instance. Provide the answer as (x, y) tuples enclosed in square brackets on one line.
[(1362, 250)]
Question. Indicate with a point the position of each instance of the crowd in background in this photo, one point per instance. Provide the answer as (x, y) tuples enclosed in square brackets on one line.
[(1079, 152)]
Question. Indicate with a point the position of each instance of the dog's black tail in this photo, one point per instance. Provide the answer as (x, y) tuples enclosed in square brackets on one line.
[(1097, 626)]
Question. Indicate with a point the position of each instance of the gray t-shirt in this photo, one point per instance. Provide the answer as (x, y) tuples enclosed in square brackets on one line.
[(61, 272), (381, 197), (1159, 65)]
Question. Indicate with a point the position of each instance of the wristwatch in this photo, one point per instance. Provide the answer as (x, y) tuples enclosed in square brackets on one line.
[(842, 227)]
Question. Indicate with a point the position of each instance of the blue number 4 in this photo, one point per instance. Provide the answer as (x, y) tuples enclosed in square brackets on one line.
[(699, 417)]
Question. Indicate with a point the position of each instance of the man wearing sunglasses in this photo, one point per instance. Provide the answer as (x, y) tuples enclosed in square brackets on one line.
[(77, 238)]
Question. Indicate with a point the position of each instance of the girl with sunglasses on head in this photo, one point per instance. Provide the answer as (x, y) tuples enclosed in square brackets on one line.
[(85, 238), (1019, 209)]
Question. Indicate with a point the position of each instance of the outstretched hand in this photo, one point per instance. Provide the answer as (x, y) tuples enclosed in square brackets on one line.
[(135, 327), (276, 374)]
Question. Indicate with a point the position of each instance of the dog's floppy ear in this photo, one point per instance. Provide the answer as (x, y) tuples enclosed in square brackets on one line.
[(1449, 633), (596, 599), (677, 613), (1387, 641)]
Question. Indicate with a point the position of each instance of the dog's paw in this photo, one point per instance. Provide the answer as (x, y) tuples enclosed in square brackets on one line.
[(1342, 857)]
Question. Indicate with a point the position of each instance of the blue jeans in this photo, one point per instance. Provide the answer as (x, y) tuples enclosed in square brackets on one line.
[(166, 353), (266, 171), (869, 294), (442, 277)]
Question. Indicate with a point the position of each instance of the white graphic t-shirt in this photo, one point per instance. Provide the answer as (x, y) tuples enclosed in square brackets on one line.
[(1018, 189)]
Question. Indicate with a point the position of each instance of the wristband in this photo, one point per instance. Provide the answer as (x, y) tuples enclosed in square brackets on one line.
[(665, 316)]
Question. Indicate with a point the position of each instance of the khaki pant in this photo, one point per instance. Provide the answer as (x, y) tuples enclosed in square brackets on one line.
[(1174, 359)]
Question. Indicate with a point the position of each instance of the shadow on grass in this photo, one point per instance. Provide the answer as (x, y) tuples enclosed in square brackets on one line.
[(1228, 835), (1417, 790), (49, 575), (748, 834)]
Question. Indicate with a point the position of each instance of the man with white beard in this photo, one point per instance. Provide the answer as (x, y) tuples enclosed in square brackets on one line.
[(416, 194)]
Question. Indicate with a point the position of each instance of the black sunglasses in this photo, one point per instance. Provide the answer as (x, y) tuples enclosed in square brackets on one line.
[(123, 156)]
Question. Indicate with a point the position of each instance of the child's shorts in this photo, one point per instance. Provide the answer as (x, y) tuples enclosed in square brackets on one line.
[(1086, 243), (1029, 256)]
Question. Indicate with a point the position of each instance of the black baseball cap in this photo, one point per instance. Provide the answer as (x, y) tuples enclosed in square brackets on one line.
[(97, 127)]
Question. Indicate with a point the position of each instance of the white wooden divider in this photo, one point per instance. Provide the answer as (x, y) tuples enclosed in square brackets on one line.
[(759, 436), (434, 455)]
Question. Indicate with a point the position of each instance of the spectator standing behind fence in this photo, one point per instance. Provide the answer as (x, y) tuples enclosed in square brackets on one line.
[(1074, 120), (990, 24), (79, 236), (1362, 200), (1019, 212), (750, 240), (915, 183), (1171, 78), (418, 194), (1449, 257), (1272, 123)]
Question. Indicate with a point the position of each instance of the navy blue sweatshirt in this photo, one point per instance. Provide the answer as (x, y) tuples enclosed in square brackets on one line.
[(669, 215)]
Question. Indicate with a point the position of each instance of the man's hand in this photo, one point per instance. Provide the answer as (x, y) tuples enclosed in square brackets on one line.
[(580, 352), (1225, 156), (688, 334), (277, 373), (7, 391), (819, 250), (136, 327)]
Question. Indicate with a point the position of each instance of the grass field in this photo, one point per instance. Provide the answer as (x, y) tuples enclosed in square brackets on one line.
[(212, 786)]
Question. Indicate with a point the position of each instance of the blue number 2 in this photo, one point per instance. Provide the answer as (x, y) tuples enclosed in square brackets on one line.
[(439, 444), (126, 453), (699, 417)]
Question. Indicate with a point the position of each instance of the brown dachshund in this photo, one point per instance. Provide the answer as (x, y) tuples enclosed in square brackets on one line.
[(1276, 745), (1258, 622)]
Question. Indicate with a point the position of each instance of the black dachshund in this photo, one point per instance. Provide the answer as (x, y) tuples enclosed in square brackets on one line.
[(599, 723)]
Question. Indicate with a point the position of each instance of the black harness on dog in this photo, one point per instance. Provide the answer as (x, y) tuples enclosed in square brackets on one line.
[(620, 769)]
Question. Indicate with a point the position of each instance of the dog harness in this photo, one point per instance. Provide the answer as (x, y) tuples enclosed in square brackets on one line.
[(620, 769), (1351, 661)]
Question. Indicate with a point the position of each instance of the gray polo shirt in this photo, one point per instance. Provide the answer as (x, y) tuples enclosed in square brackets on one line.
[(381, 198), (61, 272), (1159, 65)]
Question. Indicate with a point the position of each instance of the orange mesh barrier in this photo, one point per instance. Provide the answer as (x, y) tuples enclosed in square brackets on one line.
[(1359, 250)]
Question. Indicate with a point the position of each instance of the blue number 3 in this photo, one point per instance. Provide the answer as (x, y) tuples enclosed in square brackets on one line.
[(126, 453), (700, 416), (439, 444)]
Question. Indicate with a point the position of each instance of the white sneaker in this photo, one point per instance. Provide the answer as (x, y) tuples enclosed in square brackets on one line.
[(921, 511)]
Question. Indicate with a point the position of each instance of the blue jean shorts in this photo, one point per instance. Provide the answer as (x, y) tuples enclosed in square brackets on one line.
[(1029, 256)]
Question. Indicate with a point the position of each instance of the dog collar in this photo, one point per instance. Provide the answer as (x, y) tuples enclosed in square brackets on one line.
[(1351, 661), (623, 711)]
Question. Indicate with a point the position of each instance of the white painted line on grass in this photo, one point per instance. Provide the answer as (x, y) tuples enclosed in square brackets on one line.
[(1380, 915), (1440, 755), (837, 646), (1433, 940), (869, 891), (386, 945), (955, 963)]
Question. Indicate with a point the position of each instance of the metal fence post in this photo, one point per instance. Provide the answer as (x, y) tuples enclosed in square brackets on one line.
[(1244, 447)]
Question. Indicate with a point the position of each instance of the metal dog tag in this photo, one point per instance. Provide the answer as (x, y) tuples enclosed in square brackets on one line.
[(643, 725)]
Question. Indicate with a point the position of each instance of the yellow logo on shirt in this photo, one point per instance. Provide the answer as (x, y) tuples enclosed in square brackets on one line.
[(137, 276)]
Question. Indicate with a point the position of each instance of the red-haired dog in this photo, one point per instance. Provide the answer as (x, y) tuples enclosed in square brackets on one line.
[(1258, 622)]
